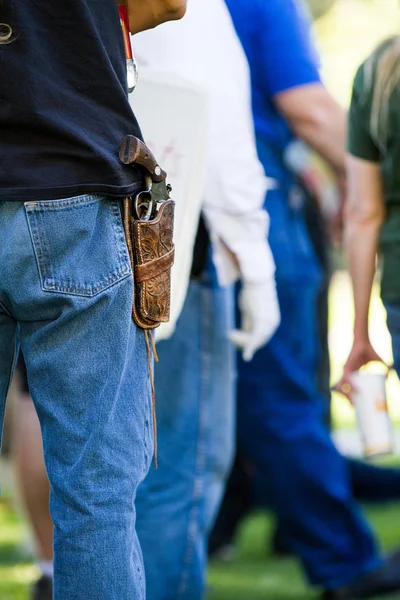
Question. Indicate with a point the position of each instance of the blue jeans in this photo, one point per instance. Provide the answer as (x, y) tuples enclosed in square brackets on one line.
[(281, 419), (66, 296), (195, 408)]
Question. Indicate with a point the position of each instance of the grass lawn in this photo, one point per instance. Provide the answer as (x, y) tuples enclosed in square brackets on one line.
[(253, 575), (16, 571)]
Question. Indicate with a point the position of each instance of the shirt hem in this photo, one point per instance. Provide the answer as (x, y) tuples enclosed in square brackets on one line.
[(60, 193)]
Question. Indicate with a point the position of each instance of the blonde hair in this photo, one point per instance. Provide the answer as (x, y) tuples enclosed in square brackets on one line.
[(5, 33), (382, 76)]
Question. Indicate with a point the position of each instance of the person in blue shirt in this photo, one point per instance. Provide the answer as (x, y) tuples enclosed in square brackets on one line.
[(280, 408)]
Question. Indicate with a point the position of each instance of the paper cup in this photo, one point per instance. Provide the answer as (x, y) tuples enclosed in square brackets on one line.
[(369, 398)]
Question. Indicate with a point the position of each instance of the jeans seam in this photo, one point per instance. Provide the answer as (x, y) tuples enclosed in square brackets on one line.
[(120, 238), (198, 490), (5, 310), (63, 204)]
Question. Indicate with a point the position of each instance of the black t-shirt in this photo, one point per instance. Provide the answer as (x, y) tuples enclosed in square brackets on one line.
[(63, 101)]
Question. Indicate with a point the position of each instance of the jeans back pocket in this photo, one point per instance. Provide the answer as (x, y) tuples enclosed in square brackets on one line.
[(79, 244)]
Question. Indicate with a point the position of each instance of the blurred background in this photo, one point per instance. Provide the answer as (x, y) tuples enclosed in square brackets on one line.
[(346, 32)]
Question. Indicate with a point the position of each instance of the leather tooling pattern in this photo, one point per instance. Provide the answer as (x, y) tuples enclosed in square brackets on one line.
[(154, 254)]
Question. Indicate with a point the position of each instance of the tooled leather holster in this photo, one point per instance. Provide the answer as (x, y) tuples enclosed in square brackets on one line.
[(149, 225)]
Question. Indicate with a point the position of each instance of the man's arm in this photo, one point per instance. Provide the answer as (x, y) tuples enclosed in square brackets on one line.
[(290, 77), (317, 119), (146, 14)]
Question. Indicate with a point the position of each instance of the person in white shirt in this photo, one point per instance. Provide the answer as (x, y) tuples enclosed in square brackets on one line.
[(195, 376)]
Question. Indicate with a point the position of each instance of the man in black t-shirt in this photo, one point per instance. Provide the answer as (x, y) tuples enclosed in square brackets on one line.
[(66, 280)]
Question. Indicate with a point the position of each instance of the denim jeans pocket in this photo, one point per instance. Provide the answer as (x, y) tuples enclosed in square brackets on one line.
[(79, 244)]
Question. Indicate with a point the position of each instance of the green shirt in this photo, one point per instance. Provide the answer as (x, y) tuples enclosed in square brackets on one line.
[(361, 144)]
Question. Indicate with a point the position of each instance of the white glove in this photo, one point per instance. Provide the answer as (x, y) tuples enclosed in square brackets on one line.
[(260, 315)]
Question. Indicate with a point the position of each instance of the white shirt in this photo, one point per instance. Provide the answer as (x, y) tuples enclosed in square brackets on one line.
[(203, 48)]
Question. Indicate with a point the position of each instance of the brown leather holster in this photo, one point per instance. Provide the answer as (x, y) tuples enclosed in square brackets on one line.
[(151, 250), (149, 239)]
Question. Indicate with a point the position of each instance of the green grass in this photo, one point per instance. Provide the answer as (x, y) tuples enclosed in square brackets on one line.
[(16, 570), (252, 575)]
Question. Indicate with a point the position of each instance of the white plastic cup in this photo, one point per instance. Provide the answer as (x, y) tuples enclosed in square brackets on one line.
[(369, 398)]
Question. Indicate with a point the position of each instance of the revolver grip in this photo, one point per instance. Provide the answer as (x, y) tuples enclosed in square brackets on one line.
[(134, 151)]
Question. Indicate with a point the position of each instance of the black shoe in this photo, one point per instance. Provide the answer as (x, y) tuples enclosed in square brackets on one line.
[(43, 589), (384, 580)]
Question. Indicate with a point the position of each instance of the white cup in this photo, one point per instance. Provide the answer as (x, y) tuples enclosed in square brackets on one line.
[(369, 398)]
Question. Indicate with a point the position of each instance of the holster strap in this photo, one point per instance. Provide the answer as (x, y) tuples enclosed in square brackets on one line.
[(154, 267)]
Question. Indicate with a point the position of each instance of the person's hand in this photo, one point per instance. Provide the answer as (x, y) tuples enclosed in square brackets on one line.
[(260, 317), (361, 354)]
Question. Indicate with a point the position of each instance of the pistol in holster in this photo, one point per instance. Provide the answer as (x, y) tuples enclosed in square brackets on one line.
[(149, 228)]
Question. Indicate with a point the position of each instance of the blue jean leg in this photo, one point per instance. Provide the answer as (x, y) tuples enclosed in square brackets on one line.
[(281, 423), (221, 426), (193, 375), (88, 375)]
